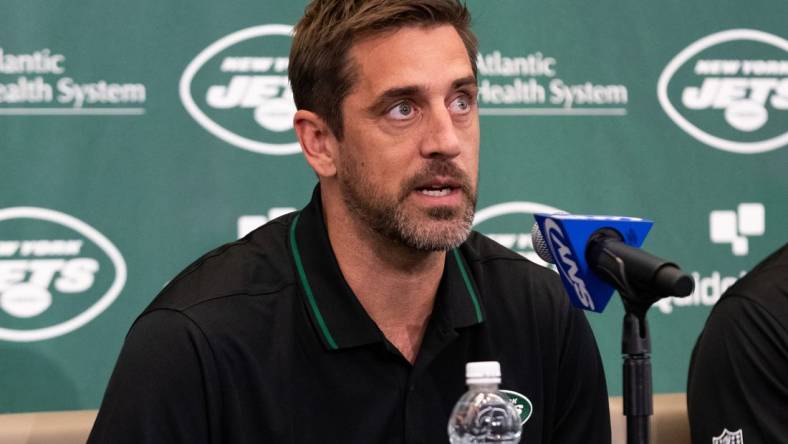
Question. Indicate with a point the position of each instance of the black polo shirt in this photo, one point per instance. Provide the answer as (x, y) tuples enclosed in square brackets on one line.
[(738, 377), (262, 341)]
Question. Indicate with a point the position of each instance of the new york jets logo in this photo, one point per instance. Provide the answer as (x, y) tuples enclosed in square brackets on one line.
[(57, 273), (237, 89), (509, 224), (521, 403), (729, 90)]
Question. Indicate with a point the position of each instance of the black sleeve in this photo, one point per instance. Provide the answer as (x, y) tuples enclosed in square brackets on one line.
[(583, 413), (738, 378), (160, 389)]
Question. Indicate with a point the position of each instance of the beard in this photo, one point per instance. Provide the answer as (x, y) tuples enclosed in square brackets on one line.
[(435, 229)]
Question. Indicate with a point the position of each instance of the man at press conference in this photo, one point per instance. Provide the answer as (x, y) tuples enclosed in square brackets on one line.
[(352, 320)]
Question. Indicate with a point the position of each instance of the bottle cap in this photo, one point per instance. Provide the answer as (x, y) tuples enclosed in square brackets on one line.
[(485, 372)]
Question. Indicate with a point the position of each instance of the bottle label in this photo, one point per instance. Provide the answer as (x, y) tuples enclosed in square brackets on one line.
[(521, 403)]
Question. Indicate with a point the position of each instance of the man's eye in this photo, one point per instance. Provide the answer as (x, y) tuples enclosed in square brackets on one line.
[(402, 111), (460, 105)]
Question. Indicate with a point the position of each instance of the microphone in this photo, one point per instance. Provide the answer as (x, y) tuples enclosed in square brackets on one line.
[(594, 254)]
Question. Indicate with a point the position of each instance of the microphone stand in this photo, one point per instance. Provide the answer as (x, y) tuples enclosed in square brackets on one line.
[(636, 350), (654, 278)]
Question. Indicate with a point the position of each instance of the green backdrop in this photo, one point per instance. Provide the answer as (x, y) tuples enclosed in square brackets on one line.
[(134, 136)]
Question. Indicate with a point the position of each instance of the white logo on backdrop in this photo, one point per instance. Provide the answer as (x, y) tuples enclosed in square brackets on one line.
[(518, 238), (31, 270), (249, 222), (735, 226), (744, 89), (259, 84), (529, 84), (725, 227), (36, 83)]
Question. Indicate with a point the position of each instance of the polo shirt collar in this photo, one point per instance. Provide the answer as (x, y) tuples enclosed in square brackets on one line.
[(337, 316)]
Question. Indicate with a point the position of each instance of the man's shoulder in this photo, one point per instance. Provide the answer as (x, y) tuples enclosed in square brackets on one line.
[(257, 264), (764, 288), (482, 250), (503, 273)]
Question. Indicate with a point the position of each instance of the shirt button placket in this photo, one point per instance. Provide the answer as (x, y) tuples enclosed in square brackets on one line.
[(411, 428)]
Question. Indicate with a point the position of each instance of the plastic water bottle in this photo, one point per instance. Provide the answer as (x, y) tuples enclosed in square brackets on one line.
[(483, 414)]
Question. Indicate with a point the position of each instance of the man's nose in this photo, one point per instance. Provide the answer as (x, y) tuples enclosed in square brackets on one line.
[(440, 134)]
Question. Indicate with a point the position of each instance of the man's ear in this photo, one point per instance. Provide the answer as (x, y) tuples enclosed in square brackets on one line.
[(317, 142)]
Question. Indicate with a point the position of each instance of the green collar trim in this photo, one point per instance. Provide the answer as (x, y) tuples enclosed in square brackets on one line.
[(308, 288), (310, 296), (469, 286)]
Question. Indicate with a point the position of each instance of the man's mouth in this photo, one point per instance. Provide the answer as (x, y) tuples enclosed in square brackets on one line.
[(436, 192), (440, 182), (438, 188)]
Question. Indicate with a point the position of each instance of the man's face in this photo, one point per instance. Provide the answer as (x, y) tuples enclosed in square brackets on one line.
[(407, 166)]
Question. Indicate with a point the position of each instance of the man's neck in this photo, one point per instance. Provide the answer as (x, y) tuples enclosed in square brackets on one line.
[(395, 284)]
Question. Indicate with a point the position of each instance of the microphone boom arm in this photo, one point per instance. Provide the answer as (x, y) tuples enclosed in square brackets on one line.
[(641, 278), (653, 278)]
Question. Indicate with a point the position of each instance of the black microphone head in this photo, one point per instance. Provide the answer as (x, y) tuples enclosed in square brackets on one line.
[(673, 281), (540, 246), (684, 286)]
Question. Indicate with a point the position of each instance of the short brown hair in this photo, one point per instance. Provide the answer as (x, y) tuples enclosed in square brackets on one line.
[(320, 71)]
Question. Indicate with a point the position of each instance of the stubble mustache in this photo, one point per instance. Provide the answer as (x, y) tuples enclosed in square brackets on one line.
[(439, 168)]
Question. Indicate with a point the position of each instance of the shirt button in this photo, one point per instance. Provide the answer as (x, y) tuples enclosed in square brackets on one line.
[(412, 388)]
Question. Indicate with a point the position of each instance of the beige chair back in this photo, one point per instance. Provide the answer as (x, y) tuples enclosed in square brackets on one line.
[(669, 425), (69, 427)]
